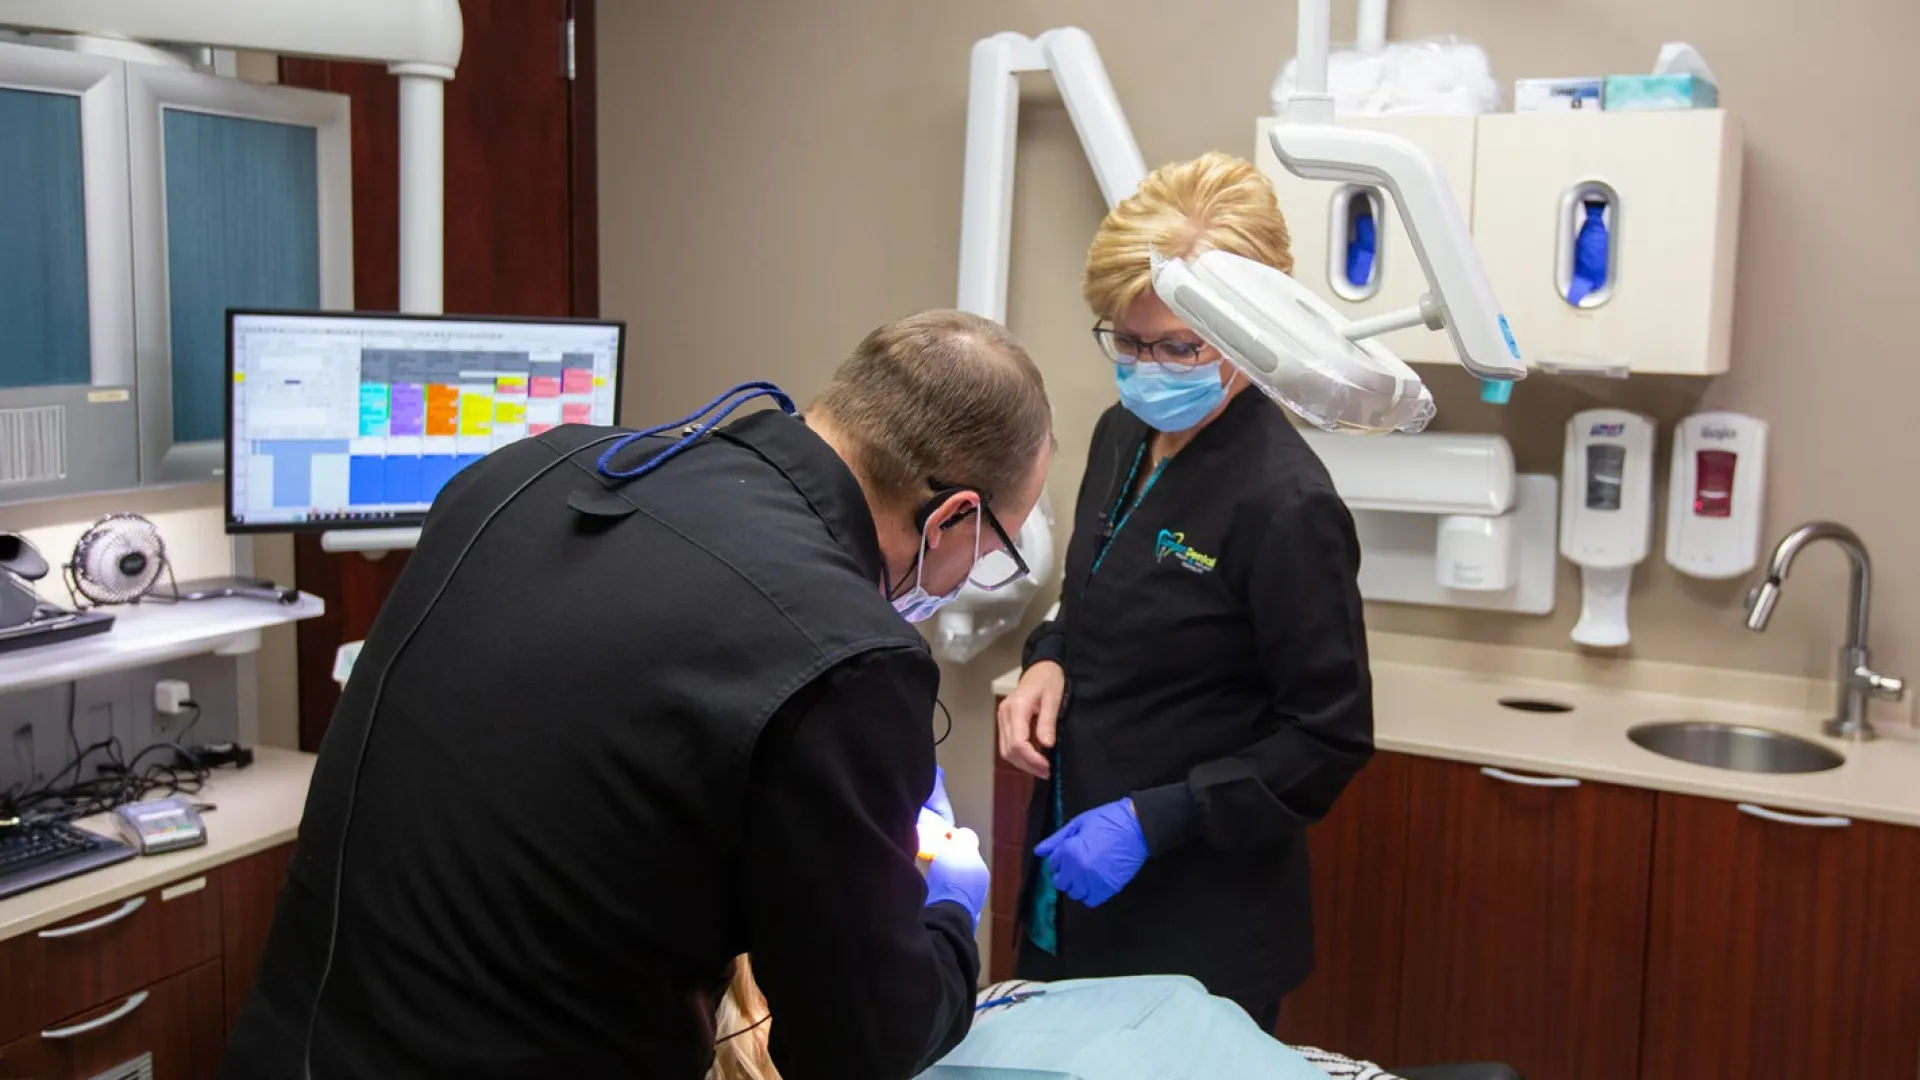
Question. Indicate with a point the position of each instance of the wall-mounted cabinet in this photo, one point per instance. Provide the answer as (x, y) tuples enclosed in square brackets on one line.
[(1610, 238), (67, 413), (150, 201), (1348, 243)]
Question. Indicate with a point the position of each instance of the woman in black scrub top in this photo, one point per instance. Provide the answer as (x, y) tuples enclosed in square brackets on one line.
[(1203, 694)]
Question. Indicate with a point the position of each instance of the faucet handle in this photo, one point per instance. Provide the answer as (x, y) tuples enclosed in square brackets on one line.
[(1884, 687)]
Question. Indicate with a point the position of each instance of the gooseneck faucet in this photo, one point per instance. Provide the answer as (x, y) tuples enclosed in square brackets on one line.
[(1858, 681)]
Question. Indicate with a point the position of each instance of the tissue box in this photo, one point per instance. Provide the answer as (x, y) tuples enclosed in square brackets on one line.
[(1555, 95), (1629, 93)]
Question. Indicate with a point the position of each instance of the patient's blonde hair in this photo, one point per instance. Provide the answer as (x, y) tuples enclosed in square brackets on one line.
[(744, 1055), (1216, 201)]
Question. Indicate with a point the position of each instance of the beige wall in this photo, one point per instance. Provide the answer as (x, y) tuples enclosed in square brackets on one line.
[(777, 178)]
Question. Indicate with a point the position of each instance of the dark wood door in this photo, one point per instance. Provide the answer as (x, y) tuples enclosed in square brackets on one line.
[(520, 235), (1781, 950), (1012, 790), (1351, 1003), (1525, 922), (249, 893)]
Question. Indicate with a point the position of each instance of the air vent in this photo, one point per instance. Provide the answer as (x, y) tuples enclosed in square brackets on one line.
[(140, 1068), (33, 445)]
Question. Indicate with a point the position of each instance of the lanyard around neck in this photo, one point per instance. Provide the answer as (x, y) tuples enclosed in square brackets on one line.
[(1120, 516)]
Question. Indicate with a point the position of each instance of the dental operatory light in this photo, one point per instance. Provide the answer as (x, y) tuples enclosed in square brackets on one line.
[(1299, 350)]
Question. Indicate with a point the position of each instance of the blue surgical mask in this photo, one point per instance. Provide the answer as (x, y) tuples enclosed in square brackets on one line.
[(917, 604), (1170, 397)]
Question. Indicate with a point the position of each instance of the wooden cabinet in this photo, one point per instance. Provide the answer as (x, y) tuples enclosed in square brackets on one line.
[(249, 890), (1525, 923), (1781, 948), (177, 1021), (1351, 1003), (162, 972), (1012, 790), (1579, 930)]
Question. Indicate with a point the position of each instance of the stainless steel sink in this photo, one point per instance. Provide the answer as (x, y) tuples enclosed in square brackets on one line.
[(1731, 746)]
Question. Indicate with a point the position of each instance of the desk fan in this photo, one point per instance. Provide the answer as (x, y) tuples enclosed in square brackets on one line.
[(118, 560)]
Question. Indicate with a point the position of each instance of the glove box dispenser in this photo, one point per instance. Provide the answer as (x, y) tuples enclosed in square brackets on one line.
[(1348, 244), (1610, 237)]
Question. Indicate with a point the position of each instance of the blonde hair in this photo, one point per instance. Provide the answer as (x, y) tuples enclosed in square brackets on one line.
[(1215, 201), (742, 1027)]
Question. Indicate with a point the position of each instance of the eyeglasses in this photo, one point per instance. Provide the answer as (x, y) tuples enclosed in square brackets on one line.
[(1124, 349), (997, 567)]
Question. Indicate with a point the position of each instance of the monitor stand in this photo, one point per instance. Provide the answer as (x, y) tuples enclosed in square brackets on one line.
[(372, 543)]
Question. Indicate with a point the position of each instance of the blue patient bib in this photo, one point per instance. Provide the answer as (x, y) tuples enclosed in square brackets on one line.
[(1159, 1027)]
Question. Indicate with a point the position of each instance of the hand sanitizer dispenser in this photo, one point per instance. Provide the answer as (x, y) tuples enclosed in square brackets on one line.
[(1713, 501), (1606, 516)]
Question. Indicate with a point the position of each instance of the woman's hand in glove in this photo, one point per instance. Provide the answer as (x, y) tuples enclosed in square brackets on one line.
[(1097, 853)]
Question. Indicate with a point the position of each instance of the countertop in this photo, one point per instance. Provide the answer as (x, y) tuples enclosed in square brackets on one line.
[(1441, 712), (257, 808)]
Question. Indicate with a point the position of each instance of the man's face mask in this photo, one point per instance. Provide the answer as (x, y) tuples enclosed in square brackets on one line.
[(919, 605)]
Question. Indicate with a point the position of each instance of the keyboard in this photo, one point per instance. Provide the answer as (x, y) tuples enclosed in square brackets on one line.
[(36, 855)]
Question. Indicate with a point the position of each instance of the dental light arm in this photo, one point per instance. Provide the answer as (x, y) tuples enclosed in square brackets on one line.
[(1313, 147), (1461, 299)]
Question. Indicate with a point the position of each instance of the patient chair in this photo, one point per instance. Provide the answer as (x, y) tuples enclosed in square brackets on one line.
[(1481, 1070)]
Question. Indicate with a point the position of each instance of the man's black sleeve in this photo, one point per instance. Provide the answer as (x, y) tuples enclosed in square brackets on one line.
[(863, 981)]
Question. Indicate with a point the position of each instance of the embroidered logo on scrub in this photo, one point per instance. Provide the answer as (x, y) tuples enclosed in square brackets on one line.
[(1173, 545)]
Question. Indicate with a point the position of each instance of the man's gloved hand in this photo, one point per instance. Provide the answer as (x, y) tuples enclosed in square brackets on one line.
[(1097, 853), (938, 801), (959, 874)]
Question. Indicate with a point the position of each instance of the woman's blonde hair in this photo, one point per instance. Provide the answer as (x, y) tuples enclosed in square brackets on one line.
[(741, 1029), (1216, 201)]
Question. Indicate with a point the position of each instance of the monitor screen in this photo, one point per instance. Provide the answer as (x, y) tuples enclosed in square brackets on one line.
[(347, 421)]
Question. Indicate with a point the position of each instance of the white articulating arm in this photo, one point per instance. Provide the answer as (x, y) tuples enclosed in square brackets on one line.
[(418, 40), (986, 239), (993, 126)]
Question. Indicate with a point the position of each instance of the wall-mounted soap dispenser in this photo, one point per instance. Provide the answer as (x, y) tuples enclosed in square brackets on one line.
[(1606, 516), (1714, 497)]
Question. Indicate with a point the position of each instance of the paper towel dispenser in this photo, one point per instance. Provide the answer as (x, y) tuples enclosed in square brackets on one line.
[(1419, 474), (1439, 519)]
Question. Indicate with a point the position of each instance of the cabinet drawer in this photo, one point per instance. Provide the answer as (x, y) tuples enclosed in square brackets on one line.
[(108, 953), (177, 1020)]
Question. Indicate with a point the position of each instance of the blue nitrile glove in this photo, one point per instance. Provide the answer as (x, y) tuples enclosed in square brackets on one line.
[(960, 875), (1589, 254), (1097, 853), (938, 801)]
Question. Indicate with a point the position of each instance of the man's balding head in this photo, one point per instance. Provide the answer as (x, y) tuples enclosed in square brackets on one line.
[(940, 394)]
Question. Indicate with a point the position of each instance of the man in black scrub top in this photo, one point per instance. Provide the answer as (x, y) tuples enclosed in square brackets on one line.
[(1203, 694), (639, 705)]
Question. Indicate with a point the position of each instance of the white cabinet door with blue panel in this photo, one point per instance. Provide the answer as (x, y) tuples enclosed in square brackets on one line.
[(242, 198), (67, 417)]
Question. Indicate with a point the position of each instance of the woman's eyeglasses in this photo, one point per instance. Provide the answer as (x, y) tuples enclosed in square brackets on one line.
[(1123, 348)]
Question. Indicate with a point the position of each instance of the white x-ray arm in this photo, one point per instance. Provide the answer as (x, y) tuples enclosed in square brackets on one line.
[(993, 127)]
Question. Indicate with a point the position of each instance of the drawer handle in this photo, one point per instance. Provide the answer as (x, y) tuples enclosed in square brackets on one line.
[(1825, 821), (108, 919), (125, 1010), (1529, 781)]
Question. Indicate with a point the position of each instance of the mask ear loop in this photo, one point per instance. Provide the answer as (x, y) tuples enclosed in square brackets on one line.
[(732, 399), (921, 518)]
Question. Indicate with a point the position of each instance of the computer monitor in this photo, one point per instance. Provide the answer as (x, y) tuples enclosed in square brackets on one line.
[(344, 421)]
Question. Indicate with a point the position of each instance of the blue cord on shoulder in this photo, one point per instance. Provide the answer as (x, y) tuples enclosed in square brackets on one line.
[(732, 400)]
